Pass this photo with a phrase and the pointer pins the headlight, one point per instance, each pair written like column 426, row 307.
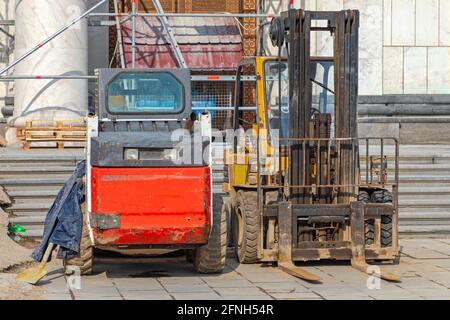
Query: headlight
column 170, row 154
column 131, row 154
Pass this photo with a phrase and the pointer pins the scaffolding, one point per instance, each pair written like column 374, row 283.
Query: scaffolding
column 220, row 104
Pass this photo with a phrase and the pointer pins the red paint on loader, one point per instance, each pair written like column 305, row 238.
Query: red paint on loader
column 156, row 205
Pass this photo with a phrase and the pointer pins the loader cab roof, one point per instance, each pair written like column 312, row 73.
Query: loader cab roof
column 144, row 94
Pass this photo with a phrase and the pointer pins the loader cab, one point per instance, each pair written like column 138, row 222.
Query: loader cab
column 148, row 173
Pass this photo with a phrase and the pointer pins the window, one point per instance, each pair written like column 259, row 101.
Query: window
column 322, row 73
column 271, row 91
column 145, row 93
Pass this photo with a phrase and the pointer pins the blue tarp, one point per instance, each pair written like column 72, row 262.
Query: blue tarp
column 64, row 221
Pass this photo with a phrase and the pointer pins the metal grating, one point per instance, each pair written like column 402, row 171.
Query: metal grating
column 217, row 98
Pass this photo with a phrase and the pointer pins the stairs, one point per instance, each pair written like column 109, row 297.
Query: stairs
column 424, row 186
column 424, row 189
column 32, row 179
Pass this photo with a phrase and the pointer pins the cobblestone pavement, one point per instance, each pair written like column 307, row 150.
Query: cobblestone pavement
column 424, row 267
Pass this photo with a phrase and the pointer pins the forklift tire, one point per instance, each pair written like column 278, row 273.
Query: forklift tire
column 384, row 196
column 246, row 226
column 84, row 260
column 369, row 227
column 210, row 258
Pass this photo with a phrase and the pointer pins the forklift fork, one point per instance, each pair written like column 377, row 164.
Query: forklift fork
column 358, row 259
column 285, row 245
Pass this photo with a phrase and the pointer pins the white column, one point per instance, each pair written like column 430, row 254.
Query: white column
column 65, row 55
column 6, row 13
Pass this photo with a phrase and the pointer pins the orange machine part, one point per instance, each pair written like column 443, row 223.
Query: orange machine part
column 156, row 206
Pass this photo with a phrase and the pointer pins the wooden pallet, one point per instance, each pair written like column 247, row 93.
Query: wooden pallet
column 57, row 132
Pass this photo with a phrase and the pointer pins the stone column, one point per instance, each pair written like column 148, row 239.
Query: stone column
column 65, row 55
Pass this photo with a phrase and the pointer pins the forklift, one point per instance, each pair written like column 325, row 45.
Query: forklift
column 296, row 188
column 148, row 187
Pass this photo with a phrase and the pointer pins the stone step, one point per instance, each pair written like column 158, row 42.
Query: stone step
column 40, row 181
column 33, row 233
column 12, row 170
column 28, row 220
column 436, row 230
column 425, row 202
column 41, row 205
column 37, row 192
column 427, row 190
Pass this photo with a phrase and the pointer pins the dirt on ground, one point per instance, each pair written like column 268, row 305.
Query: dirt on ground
column 12, row 290
column 11, row 253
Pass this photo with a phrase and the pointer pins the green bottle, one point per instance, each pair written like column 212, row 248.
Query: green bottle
column 16, row 228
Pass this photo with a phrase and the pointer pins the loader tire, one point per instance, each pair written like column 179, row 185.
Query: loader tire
column 384, row 196
column 246, row 226
column 369, row 227
column 84, row 260
column 211, row 257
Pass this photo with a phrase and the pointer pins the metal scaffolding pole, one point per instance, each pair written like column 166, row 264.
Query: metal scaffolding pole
column 119, row 35
column 46, row 77
column 172, row 39
column 189, row 15
column 50, row 38
column 212, row 78
column 133, row 34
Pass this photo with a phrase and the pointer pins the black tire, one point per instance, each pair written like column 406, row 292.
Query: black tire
column 369, row 225
column 189, row 255
column 211, row 257
column 246, row 227
column 384, row 196
column 85, row 258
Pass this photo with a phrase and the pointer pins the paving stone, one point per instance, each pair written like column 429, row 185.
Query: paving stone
column 227, row 283
column 230, row 275
column 424, row 253
column 146, row 295
column 102, row 291
column 441, row 277
column 187, row 288
column 57, row 285
column 282, row 287
column 422, row 278
column 437, row 297
column 413, row 283
column 196, row 296
column 246, row 297
column 58, row 296
column 181, row 280
column 348, row 297
column 97, row 297
column 295, row 295
column 427, row 292
column 404, row 296
column 133, row 284
column 245, row 291
column 269, row 276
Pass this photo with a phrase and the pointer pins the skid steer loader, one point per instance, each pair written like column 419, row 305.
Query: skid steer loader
column 148, row 181
column 295, row 184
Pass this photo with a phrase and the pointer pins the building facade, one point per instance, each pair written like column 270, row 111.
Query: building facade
column 404, row 64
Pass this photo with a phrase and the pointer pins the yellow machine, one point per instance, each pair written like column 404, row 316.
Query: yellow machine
column 294, row 178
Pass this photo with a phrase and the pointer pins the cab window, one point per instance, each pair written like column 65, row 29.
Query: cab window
column 145, row 93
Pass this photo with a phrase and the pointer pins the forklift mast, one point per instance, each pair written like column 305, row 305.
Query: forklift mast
column 294, row 30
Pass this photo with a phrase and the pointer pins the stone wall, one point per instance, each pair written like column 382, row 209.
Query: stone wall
column 404, row 44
